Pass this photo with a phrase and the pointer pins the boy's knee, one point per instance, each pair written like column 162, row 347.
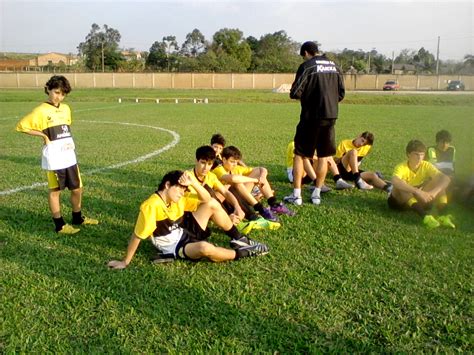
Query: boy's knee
column 204, row 249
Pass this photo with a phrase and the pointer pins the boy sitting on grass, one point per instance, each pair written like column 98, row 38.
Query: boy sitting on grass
column 442, row 155
column 51, row 121
column 245, row 178
column 177, row 225
column 349, row 155
column 235, row 206
column 417, row 185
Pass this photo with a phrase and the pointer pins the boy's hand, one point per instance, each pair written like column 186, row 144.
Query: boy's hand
column 235, row 219
column 185, row 179
column 117, row 264
column 424, row 196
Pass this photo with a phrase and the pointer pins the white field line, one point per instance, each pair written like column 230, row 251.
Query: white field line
column 175, row 141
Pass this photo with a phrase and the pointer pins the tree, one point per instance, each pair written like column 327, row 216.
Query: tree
column 424, row 60
column 101, row 48
column 232, row 50
column 194, row 44
column 275, row 53
column 163, row 55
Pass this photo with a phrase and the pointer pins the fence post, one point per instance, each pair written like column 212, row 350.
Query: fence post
column 213, row 80
column 172, row 80
column 17, row 80
column 192, row 80
column 253, row 80
column 113, row 79
column 133, row 80
column 93, row 79
column 153, row 80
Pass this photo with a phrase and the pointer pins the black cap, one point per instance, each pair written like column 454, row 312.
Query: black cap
column 310, row 47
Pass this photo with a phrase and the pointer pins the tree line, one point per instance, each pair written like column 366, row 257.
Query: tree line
column 230, row 51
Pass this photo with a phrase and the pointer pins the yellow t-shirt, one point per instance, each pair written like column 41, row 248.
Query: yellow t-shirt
column 290, row 153
column 157, row 219
column 210, row 180
column 416, row 178
column 55, row 123
column 347, row 145
column 220, row 171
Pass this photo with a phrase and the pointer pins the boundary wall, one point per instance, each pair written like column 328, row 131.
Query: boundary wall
column 224, row 80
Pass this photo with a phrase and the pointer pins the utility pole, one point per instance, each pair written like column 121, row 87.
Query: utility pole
column 393, row 61
column 368, row 64
column 437, row 58
column 102, row 46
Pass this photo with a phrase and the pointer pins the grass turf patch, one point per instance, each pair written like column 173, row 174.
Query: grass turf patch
column 349, row 275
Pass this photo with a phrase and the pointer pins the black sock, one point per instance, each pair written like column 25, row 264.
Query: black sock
column 387, row 185
column 418, row 208
column 356, row 176
column 59, row 223
column 77, row 218
column 258, row 207
column 233, row 233
column 272, row 201
column 336, row 177
column 241, row 253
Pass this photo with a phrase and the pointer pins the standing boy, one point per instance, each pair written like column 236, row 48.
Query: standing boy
column 319, row 86
column 52, row 122
column 417, row 185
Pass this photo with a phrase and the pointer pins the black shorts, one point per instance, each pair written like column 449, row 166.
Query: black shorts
column 69, row 177
column 192, row 233
column 395, row 205
column 314, row 136
column 346, row 175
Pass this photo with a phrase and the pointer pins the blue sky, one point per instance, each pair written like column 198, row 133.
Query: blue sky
column 59, row 26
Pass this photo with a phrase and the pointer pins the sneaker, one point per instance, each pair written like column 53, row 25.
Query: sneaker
column 253, row 250
column 282, row 209
column 430, row 222
column 362, row 185
column 89, row 221
column 68, row 229
column 298, row 201
column 262, row 223
column 316, row 200
column 268, row 214
column 242, row 242
column 446, row 221
column 342, row 185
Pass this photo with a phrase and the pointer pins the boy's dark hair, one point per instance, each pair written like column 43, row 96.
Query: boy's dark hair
column 58, row 82
column 369, row 137
column 205, row 153
column 172, row 177
column 443, row 136
column 218, row 139
column 310, row 47
column 415, row 146
column 231, row 152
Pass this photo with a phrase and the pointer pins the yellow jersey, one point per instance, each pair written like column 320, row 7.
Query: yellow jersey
column 416, row 178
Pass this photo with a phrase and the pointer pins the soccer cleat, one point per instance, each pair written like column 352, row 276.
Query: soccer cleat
column 68, row 229
column 89, row 221
column 163, row 258
column 388, row 188
column 242, row 242
column 262, row 223
column 446, row 221
column 430, row 222
column 282, row 209
column 298, row 201
column 362, row 185
column 246, row 227
column 268, row 214
column 253, row 250
column 342, row 185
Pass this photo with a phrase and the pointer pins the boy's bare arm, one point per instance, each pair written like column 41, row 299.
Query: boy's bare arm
column 38, row 134
column 131, row 250
column 237, row 179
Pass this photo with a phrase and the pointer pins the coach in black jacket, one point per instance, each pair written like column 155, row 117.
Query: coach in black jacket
column 319, row 86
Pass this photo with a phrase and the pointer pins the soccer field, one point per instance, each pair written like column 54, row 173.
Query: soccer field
column 348, row 275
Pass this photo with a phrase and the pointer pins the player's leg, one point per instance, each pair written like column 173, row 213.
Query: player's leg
column 373, row 179
column 74, row 183
column 441, row 201
column 200, row 250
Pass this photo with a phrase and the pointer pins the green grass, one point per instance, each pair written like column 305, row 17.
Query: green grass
column 347, row 276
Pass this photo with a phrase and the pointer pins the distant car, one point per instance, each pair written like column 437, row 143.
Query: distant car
column 455, row 85
column 391, row 85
